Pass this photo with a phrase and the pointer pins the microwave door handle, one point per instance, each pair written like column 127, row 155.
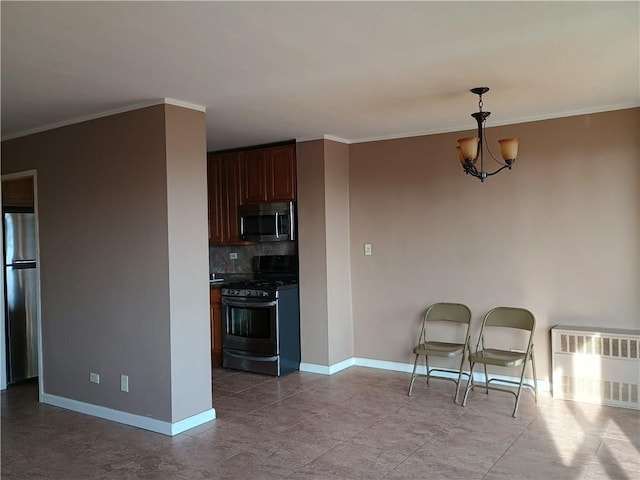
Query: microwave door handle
column 249, row 304
column 277, row 229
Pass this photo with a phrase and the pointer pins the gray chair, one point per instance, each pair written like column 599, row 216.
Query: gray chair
column 510, row 357
column 451, row 315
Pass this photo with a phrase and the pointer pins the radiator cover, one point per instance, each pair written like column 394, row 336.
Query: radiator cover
column 596, row 365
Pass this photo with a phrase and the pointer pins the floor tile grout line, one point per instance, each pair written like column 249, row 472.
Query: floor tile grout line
column 351, row 437
column 538, row 426
column 425, row 443
column 512, row 443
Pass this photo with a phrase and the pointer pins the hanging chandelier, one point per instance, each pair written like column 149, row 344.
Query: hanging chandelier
column 471, row 149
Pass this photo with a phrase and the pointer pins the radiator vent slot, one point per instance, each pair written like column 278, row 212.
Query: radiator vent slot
column 599, row 345
column 596, row 365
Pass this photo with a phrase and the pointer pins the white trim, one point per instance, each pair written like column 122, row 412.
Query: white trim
column 384, row 365
column 327, row 370
column 139, row 421
column 315, row 368
column 192, row 421
column 3, row 345
column 180, row 103
column 106, row 113
column 513, row 121
column 16, row 175
column 333, row 138
column 543, row 385
column 308, row 139
column 462, row 128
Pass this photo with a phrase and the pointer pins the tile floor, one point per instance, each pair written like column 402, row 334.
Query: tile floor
column 357, row 424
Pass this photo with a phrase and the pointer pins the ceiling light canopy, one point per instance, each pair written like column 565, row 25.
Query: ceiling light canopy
column 470, row 149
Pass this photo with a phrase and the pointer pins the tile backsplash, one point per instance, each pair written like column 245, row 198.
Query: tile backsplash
column 220, row 261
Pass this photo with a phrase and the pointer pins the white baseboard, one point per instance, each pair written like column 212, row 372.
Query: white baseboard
column 139, row 421
column 543, row 385
column 327, row 370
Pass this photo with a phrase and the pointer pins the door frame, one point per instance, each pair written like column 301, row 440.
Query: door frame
column 3, row 341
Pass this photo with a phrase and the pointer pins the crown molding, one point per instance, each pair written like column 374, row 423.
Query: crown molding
column 513, row 121
column 333, row 138
column 180, row 103
column 106, row 113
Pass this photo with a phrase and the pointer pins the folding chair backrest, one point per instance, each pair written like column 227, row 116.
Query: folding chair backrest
column 453, row 312
column 510, row 317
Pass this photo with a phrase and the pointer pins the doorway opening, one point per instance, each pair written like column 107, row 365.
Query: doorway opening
column 20, row 332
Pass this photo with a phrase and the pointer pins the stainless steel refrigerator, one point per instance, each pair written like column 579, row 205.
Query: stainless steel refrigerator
column 21, row 307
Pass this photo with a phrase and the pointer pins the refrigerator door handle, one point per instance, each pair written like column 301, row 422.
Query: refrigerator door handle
column 22, row 264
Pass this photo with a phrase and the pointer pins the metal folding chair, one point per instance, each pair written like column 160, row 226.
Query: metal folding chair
column 501, row 318
column 455, row 316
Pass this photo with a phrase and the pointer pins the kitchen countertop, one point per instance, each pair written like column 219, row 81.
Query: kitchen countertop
column 222, row 278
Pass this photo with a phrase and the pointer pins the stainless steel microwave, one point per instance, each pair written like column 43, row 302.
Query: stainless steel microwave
column 267, row 222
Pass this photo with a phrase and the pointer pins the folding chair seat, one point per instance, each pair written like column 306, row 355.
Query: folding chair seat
column 450, row 320
column 511, row 356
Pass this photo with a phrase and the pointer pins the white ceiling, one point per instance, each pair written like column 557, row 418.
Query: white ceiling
column 271, row 71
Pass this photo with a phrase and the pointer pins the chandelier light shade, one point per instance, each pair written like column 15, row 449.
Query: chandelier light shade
column 471, row 149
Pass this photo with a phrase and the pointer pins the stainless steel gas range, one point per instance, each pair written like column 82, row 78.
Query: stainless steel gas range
column 261, row 319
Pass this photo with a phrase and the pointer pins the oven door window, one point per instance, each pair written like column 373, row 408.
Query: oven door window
column 250, row 327
column 250, row 322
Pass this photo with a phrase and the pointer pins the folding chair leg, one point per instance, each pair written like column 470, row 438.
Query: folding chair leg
column 535, row 377
column 515, row 408
column 486, row 379
column 455, row 395
column 413, row 375
column 469, row 385
column 426, row 362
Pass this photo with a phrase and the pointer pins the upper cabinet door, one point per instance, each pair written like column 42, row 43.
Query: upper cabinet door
column 223, row 172
column 232, row 199
column 281, row 174
column 215, row 188
column 17, row 193
column 253, row 173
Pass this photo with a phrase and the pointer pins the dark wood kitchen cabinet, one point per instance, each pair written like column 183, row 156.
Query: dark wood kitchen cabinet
column 253, row 174
column 268, row 175
column 18, row 192
column 215, row 181
column 223, row 172
column 216, row 325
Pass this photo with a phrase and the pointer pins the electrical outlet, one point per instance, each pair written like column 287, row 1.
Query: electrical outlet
column 367, row 249
column 94, row 377
column 233, row 256
column 124, row 383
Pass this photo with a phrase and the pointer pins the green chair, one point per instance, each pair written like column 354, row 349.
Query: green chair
column 498, row 319
column 443, row 319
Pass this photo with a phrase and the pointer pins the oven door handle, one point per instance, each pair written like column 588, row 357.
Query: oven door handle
column 255, row 358
column 250, row 304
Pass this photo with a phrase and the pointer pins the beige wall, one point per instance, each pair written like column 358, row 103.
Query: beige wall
column 557, row 235
column 340, row 320
column 312, row 253
column 108, row 193
column 323, row 234
column 188, row 261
